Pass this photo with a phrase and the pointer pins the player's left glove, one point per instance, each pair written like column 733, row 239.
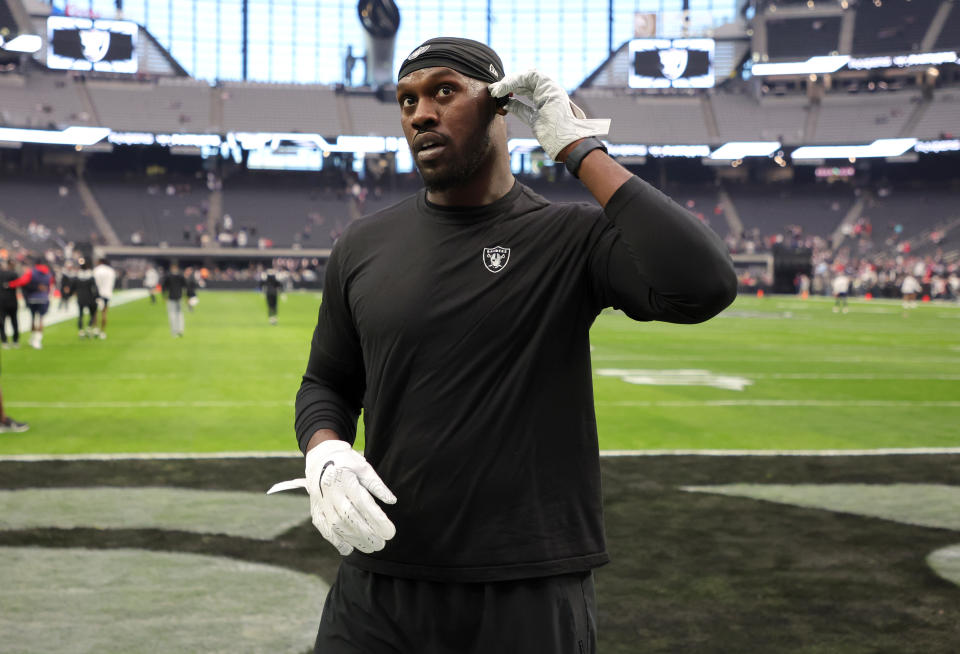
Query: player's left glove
column 342, row 486
column 555, row 120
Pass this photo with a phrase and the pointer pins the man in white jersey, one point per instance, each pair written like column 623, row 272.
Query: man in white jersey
column 841, row 288
column 105, row 277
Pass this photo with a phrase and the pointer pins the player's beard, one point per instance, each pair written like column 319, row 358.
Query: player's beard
column 461, row 166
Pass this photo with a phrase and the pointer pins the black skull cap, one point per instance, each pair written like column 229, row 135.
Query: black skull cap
column 472, row 58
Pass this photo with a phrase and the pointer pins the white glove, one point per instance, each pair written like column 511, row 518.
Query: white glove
column 554, row 119
column 342, row 486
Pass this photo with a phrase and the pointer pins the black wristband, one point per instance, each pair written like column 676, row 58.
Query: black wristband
column 585, row 147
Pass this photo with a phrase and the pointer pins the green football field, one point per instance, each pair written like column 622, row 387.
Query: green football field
column 769, row 373
column 851, row 553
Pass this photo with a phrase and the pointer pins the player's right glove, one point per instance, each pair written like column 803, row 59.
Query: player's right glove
column 555, row 120
column 342, row 486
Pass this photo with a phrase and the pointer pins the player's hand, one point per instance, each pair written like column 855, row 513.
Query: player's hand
column 342, row 486
column 554, row 119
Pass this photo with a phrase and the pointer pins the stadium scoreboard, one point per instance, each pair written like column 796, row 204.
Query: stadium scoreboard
column 92, row 44
column 671, row 63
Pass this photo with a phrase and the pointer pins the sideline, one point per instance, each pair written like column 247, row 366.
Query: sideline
column 150, row 456
column 57, row 315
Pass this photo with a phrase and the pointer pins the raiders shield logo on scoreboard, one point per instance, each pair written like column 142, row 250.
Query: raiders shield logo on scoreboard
column 495, row 259
column 95, row 44
column 673, row 63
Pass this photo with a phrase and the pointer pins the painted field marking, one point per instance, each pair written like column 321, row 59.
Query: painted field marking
column 682, row 377
column 295, row 454
column 882, row 404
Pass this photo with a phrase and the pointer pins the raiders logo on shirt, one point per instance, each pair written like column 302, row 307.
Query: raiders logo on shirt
column 495, row 259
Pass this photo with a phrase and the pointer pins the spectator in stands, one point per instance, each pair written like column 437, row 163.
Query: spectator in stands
column 85, row 288
column 37, row 283
column 106, row 278
column 173, row 286
column 8, row 305
column 458, row 320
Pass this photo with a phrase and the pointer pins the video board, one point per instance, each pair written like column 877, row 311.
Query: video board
column 92, row 44
column 671, row 63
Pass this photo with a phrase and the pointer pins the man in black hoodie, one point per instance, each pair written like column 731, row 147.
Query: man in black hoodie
column 173, row 287
column 8, row 305
column 458, row 321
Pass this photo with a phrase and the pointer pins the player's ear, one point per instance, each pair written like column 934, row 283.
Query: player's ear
column 502, row 104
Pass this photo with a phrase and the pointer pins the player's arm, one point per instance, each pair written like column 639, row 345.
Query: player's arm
column 665, row 265
column 22, row 280
column 341, row 483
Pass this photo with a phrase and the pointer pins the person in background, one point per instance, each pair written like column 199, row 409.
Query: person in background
column 106, row 278
column 151, row 279
column 85, row 288
column 8, row 424
column 66, row 285
column 271, row 289
column 36, row 282
column 174, row 285
column 909, row 288
column 841, row 289
column 8, row 306
column 190, row 275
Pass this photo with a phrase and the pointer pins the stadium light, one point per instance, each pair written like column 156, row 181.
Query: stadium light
column 814, row 65
column 69, row 136
column 28, row 43
column 741, row 149
column 879, row 148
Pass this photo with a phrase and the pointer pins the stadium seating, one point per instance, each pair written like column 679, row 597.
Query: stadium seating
column 891, row 27
column 46, row 101
column 646, row 119
column 918, row 209
column 949, row 37
column 288, row 211
column 882, row 116
column 51, row 204
column 941, row 118
column 252, row 107
column 169, row 105
column 743, row 118
column 160, row 210
column 795, row 39
column 369, row 116
column 771, row 209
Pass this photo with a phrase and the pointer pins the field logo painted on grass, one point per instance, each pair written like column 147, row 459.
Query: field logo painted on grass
column 683, row 377
column 924, row 505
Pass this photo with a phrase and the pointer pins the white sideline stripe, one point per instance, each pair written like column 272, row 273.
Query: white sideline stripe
column 149, row 404
column 56, row 315
column 886, row 404
column 294, row 454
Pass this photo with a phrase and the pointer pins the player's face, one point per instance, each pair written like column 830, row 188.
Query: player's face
column 446, row 118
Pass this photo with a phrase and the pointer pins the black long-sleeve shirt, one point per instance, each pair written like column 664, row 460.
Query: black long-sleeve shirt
column 463, row 334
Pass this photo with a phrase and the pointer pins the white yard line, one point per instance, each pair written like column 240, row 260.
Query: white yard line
column 886, row 404
column 293, row 453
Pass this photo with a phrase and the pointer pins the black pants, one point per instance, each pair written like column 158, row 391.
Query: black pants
column 368, row 613
column 91, row 312
column 11, row 313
